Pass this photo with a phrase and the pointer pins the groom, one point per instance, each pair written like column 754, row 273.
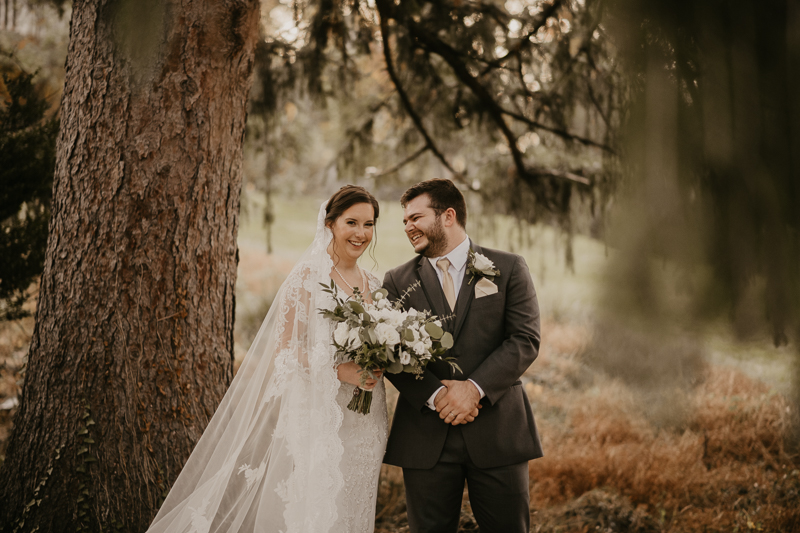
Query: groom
column 475, row 426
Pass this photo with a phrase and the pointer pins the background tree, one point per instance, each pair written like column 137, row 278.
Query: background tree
column 27, row 159
column 132, row 348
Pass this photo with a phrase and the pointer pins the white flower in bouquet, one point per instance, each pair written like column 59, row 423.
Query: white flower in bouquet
column 354, row 338
column 419, row 348
column 387, row 334
column 396, row 317
column 383, row 304
column 405, row 357
column 412, row 312
column 341, row 334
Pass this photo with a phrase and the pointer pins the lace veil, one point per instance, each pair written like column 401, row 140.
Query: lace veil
column 269, row 459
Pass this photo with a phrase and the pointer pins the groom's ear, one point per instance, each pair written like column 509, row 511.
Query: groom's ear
column 450, row 218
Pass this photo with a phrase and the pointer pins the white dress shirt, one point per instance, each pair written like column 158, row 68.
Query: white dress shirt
column 458, row 267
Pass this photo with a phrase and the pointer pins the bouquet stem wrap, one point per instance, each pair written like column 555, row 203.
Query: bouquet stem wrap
column 361, row 401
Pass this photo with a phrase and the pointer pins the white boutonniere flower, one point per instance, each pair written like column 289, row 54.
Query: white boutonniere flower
column 481, row 266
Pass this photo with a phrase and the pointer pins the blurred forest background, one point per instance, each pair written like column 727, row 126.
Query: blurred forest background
column 642, row 155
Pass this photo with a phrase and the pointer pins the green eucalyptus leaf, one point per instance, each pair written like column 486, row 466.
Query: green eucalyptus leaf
column 446, row 340
column 356, row 307
column 395, row 368
column 433, row 330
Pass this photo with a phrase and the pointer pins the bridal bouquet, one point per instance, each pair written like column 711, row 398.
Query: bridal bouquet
column 382, row 336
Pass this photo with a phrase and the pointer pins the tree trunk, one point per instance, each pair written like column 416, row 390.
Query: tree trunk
column 133, row 344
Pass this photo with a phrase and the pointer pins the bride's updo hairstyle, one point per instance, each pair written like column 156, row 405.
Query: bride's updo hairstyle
column 344, row 199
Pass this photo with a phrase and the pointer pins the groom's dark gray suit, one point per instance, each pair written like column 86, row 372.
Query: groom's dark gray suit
column 496, row 338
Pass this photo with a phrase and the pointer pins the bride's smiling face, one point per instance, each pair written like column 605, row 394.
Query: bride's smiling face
column 352, row 231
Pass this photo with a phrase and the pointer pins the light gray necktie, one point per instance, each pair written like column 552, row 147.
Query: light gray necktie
column 447, row 282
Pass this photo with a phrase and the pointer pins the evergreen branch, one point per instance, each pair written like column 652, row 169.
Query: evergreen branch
column 525, row 41
column 435, row 45
column 404, row 162
column 560, row 174
column 384, row 12
column 561, row 133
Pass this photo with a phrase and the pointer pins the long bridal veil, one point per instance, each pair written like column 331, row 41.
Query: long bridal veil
column 269, row 458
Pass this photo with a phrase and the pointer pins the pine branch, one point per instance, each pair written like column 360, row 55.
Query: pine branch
column 435, row 45
column 561, row 133
column 385, row 9
column 387, row 54
column 404, row 162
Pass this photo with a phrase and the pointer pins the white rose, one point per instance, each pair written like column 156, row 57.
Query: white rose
column 383, row 304
column 354, row 338
column 482, row 263
column 341, row 333
column 405, row 358
column 378, row 296
column 428, row 343
column 394, row 316
column 419, row 348
column 387, row 334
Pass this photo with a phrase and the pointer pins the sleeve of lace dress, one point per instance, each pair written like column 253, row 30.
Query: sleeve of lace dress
column 293, row 318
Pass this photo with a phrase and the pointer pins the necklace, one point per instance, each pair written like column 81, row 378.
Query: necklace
column 361, row 272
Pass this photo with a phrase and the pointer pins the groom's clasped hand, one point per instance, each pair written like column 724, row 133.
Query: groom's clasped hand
column 458, row 402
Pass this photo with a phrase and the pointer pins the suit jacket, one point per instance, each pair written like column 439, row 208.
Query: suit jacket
column 496, row 338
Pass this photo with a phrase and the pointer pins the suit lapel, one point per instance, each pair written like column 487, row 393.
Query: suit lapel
column 465, row 296
column 432, row 288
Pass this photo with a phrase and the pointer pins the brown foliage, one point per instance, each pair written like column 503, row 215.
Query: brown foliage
column 728, row 468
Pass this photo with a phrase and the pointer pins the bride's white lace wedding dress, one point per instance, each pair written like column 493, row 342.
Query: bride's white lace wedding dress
column 364, row 441
column 282, row 453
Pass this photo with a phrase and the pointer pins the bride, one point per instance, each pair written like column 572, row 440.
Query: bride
column 282, row 453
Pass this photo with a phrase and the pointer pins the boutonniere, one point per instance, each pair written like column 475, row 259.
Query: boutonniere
column 481, row 266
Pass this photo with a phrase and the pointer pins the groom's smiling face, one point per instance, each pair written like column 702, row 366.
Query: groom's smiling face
column 424, row 229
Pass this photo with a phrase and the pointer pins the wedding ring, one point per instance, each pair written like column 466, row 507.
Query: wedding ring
column 451, row 413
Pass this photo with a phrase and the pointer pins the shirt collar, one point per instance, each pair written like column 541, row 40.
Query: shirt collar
column 457, row 256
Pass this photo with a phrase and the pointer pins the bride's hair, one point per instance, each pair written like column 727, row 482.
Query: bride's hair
column 344, row 199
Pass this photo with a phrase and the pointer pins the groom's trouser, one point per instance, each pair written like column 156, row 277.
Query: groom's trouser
column 499, row 497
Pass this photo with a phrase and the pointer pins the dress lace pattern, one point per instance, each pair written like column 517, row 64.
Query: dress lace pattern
column 364, row 440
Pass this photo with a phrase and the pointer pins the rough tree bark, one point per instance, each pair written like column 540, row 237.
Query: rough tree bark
column 133, row 344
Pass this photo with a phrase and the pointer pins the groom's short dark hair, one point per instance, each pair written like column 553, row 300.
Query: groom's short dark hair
column 443, row 194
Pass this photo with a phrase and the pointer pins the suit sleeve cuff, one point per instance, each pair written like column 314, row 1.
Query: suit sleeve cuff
column 431, row 403
column 480, row 390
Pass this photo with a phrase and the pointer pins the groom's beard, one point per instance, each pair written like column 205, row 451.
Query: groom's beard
column 437, row 240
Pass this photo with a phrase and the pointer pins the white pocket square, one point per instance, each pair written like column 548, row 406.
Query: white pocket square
column 484, row 287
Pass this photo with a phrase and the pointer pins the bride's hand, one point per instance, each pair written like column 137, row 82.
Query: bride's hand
column 351, row 373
